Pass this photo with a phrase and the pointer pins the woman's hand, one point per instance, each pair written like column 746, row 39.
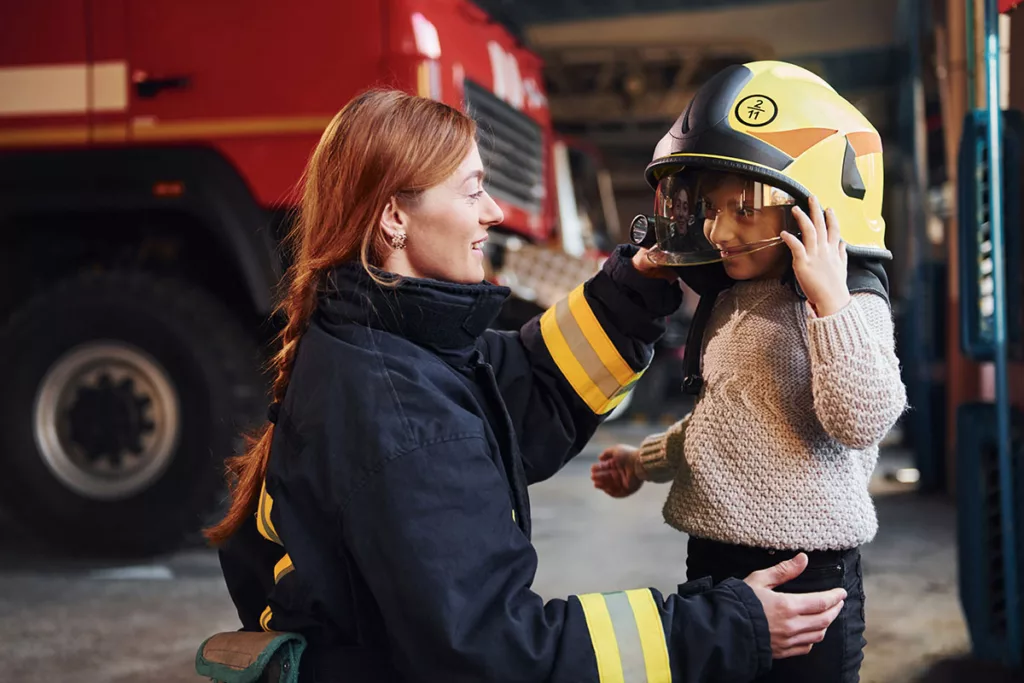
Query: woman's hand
column 795, row 621
column 615, row 473
column 820, row 260
column 645, row 267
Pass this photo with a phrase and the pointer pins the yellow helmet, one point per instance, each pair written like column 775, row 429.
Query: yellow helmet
column 784, row 126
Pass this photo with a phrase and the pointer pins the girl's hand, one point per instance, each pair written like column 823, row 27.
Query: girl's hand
column 615, row 472
column 820, row 260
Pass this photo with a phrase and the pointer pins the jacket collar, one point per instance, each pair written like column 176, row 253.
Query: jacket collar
column 442, row 316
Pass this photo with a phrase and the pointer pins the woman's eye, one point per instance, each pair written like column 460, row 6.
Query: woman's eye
column 477, row 195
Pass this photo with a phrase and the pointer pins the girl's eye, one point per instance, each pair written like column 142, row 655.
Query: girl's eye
column 477, row 195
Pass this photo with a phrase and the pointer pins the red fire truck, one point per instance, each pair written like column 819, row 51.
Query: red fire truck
column 148, row 156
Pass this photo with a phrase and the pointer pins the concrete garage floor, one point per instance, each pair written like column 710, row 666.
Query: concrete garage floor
column 63, row 619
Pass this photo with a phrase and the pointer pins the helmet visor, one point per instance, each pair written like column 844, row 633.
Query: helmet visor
column 687, row 204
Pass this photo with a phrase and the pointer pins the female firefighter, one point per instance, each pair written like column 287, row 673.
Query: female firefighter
column 383, row 512
column 800, row 376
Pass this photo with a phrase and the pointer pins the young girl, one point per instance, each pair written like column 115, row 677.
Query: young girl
column 800, row 384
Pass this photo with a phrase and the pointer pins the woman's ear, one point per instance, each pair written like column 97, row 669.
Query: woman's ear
column 394, row 221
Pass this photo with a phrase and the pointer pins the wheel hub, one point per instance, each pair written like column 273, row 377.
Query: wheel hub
column 110, row 419
column 107, row 420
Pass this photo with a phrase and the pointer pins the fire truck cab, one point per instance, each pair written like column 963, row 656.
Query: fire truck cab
column 149, row 152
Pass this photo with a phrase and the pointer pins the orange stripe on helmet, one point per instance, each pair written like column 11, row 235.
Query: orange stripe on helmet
column 794, row 142
column 865, row 142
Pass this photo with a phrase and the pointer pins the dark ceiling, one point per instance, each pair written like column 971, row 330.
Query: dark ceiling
column 528, row 12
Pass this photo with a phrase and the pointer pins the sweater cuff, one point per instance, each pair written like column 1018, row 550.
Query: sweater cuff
column 658, row 454
column 844, row 333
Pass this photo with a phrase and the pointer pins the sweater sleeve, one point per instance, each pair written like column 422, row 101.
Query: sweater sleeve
column 858, row 392
column 662, row 454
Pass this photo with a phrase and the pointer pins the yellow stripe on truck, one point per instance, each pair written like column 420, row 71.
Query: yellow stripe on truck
column 585, row 355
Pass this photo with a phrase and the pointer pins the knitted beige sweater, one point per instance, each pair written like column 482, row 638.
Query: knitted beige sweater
column 779, row 450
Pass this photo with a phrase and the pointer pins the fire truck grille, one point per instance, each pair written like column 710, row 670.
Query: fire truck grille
column 511, row 146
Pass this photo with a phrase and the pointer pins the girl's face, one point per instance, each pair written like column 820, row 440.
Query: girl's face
column 728, row 225
column 445, row 227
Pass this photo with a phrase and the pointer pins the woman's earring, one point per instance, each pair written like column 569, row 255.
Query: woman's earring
column 398, row 241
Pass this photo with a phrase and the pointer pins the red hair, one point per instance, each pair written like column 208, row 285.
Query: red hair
column 384, row 144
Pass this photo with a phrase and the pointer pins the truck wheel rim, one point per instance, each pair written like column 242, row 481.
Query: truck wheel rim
column 106, row 420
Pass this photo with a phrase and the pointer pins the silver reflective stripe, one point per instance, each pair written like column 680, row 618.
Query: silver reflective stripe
column 583, row 351
column 634, row 670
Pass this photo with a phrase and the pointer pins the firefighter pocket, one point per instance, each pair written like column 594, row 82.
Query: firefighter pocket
column 251, row 657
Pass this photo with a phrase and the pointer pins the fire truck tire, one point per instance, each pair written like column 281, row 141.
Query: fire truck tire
column 124, row 393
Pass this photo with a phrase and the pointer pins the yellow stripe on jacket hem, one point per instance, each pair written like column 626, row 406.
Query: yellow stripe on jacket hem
column 263, row 523
column 265, row 618
column 283, row 567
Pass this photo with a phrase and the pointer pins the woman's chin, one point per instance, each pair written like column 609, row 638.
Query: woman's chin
column 472, row 274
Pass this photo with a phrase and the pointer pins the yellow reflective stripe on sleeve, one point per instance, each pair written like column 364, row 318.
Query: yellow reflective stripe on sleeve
column 652, row 635
column 602, row 637
column 610, row 357
column 567, row 363
column 283, row 567
column 622, row 393
column 263, row 523
column 265, row 618
column 628, row 637
column 584, row 353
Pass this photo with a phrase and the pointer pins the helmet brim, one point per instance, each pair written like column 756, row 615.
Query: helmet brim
column 674, row 163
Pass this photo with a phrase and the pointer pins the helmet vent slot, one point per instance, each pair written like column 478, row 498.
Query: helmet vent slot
column 853, row 184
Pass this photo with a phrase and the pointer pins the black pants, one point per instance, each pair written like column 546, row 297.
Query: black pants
column 836, row 659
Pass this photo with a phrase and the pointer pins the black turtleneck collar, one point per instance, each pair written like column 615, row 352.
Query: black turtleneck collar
column 442, row 316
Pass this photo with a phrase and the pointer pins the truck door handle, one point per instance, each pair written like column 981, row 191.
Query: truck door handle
column 151, row 87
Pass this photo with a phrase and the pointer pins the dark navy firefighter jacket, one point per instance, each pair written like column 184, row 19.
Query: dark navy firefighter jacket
column 394, row 526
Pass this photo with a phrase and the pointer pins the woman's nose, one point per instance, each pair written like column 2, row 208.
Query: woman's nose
column 492, row 213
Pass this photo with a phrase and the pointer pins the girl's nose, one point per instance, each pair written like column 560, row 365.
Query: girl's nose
column 722, row 230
